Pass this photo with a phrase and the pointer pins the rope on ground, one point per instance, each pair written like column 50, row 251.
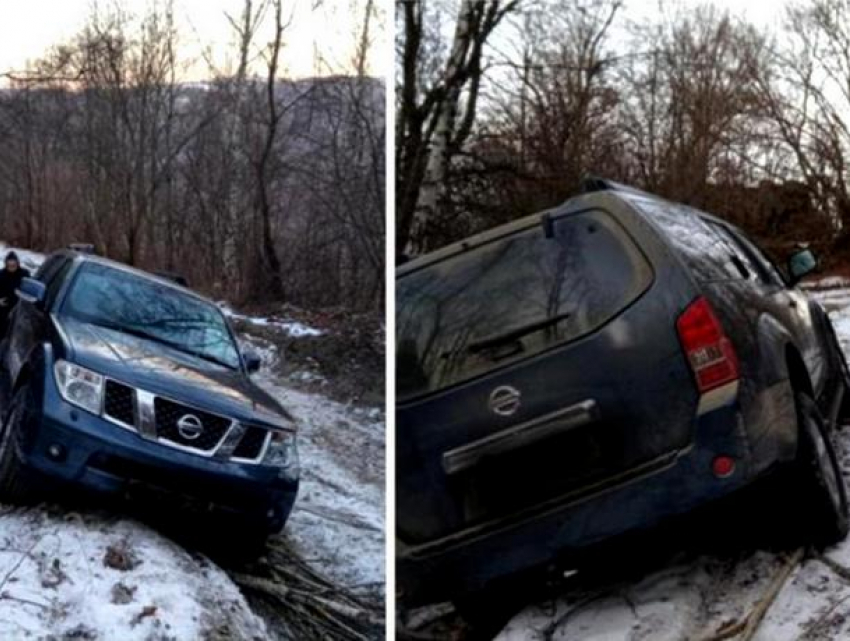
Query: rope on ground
column 748, row 626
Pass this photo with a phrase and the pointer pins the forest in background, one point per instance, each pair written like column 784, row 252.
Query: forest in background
column 253, row 186
column 504, row 106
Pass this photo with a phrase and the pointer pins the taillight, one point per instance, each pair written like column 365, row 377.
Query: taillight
column 710, row 352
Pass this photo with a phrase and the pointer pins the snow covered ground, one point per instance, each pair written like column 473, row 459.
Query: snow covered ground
column 56, row 574
column 708, row 596
column 338, row 521
column 76, row 576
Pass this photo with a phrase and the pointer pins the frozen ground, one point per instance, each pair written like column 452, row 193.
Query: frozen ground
column 338, row 520
column 56, row 581
column 710, row 596
column 73, row 576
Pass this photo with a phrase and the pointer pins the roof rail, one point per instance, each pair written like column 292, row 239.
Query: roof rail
column 83, row 248
column 173, row 277
column 591, row 183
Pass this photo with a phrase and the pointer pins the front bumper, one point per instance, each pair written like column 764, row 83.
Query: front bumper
column 100, row 456
column 468, row 561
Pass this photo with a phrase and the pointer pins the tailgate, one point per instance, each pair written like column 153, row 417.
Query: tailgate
column 534, row 374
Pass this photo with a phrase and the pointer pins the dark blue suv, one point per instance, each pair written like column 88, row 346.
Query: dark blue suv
column 123, row 382
column 588, row 371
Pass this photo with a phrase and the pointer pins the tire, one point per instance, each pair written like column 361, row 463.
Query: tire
column 818, row 482
column 485, row 614
column 233, row 542
column 840, row 370
column 16, row 484
column 489, row 609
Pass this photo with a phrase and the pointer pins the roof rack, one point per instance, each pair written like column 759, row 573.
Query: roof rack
column 591, row 183
column 175, row 278
column 83, row 248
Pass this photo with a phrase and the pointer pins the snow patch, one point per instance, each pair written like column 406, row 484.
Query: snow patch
column 57, row 582
column 292, row 328
column 830, row 282
column 29, row 259
column 337, row 523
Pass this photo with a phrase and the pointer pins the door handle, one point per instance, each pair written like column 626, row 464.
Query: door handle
column 793, row 303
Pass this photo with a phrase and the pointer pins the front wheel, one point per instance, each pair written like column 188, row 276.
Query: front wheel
column 840, row 370
column 819, row 484
column 16, row 484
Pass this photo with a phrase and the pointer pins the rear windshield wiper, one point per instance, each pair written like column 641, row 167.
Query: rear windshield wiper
column 135, row 331
column 515, row 333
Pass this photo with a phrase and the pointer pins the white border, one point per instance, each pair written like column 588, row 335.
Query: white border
column 389, row 423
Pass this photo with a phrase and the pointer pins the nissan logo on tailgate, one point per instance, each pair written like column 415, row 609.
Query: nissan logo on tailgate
column 504, row 400
column 190, row 427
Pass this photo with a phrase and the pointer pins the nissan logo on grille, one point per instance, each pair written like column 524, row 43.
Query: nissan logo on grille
column 190, row 427
column 504, row 400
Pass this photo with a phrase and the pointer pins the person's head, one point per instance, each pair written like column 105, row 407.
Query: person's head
column 12, row 263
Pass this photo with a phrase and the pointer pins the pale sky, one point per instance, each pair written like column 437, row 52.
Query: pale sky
column 760, row 12
column 28, row 27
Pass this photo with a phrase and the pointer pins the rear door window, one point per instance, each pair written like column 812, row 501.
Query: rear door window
column 741, row 258
column 768, row 271
column 513, row 298
column 706, row 253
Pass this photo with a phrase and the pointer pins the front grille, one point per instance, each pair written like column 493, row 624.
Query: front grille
column 251, row 444
column 169, row 413
column 119, row 402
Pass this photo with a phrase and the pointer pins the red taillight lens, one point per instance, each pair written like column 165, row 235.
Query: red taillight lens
column 723, row 466
column 709, row 350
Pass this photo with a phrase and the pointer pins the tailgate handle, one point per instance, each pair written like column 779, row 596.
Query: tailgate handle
column 518, row 436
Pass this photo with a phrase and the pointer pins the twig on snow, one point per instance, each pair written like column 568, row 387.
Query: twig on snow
column 18, row 563
column 748, row 626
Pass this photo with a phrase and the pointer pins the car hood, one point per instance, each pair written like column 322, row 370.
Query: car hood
column 166, row 371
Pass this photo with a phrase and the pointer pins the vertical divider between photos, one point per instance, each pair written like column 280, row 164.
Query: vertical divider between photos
column 389, row 423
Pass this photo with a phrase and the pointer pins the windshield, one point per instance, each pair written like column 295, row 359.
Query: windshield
column 124, row 302
column 512, row 298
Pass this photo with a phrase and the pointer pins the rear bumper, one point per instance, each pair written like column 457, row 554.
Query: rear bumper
column 100, row 456
column 469, row 560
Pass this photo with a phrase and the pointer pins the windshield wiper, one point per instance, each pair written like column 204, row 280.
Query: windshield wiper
column 513, row 334
column 133, row 331
column 136, row 331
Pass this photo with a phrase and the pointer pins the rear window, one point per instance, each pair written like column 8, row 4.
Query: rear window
column 513, row 298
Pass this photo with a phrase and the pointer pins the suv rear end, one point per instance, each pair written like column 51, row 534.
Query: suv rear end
column 561, row 380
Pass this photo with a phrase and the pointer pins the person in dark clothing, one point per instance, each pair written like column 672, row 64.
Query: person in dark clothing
column 10, row 278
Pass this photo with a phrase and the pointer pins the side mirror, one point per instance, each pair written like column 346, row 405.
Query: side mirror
column 252, row 361
column 32, row 291
column 801, row 263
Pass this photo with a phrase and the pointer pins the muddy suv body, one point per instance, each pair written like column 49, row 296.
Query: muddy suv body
column 588, row 371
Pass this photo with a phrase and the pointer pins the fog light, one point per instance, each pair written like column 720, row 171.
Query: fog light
column 56, row 452
column 723, row 466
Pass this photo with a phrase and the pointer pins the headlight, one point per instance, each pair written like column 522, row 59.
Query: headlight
column 79, row 386
column 283, row 454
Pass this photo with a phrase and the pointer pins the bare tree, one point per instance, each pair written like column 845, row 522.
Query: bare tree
column 251, row 184
column 435, row 117
column 690, row 107
column 807, row 94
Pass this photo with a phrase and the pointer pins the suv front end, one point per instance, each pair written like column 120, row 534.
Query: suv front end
column 111, row 409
